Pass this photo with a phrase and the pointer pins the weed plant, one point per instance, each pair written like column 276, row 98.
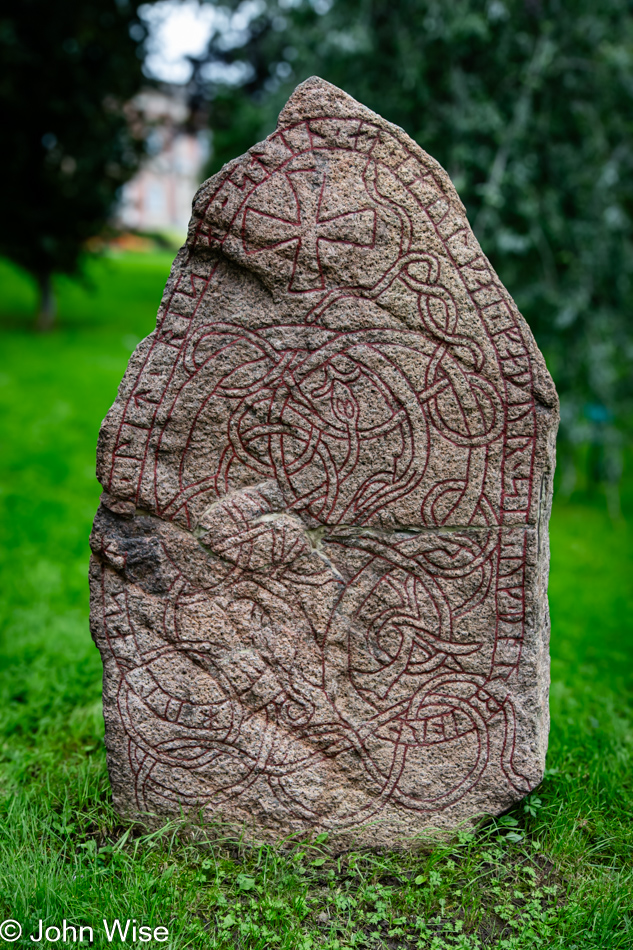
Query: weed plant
column 555, row 872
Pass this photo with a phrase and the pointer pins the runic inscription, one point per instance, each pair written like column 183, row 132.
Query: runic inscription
column 320, row 563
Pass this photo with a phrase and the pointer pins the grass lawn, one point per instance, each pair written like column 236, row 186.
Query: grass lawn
column 556, row 872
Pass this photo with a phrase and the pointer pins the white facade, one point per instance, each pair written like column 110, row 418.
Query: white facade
column 159, row 197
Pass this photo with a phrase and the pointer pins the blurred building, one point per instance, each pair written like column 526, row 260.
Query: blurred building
column 159, row 197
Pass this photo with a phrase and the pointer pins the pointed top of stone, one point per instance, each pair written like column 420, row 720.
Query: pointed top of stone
column 316, row 97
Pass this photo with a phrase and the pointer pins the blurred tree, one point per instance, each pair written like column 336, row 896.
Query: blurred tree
column 68, row 70
column 528, row 104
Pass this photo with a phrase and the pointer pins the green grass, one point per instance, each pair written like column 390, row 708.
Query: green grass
column 556, row 872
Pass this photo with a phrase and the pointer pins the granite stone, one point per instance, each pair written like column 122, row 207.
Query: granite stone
column 319, row 571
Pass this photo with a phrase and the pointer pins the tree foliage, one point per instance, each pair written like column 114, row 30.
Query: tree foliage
column 528, row 104
column 68, row 69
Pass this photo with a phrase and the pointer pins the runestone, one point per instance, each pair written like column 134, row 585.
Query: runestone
column 319, row 572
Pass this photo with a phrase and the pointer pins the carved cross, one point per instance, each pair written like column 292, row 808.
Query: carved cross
column 307, row 226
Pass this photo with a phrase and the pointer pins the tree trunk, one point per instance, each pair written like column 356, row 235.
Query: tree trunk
column 48, row 304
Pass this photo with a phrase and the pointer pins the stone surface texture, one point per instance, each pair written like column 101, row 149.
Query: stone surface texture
column 319, row 573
